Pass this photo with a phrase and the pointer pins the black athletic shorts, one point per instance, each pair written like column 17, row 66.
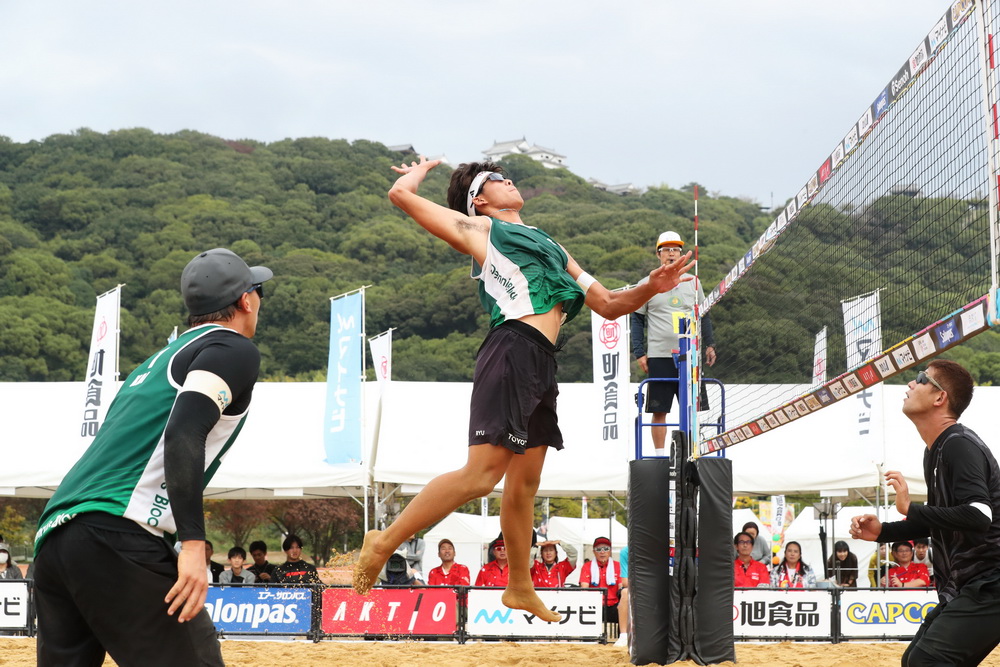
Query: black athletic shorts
column 660, row 395
column 514, row 390
column 962, row 631
column 100, row 581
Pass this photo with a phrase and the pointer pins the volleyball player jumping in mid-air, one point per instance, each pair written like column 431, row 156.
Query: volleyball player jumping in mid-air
column 529, row 285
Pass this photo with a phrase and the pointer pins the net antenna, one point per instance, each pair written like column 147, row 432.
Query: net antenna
column 905, row 207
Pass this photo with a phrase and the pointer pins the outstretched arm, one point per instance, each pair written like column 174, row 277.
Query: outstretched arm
column 464, row 234
column 613, row 305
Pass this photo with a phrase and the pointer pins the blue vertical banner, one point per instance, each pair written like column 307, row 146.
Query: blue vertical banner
column 343, row 421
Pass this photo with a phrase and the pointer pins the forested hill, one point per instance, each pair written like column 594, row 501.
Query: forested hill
column 81, row 213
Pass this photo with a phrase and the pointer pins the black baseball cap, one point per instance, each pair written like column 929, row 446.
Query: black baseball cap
column 216, row 278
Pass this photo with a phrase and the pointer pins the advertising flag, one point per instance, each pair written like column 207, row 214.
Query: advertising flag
column 819, row 358
column 343, row 421
column 611, row 376
column 381, row 347
column 863, row 337
column 102, row 364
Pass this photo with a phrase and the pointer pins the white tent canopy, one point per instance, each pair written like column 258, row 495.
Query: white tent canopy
column 423, row 432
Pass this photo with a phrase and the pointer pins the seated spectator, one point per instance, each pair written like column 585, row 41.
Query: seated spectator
column 792, row 572
column 237, row 574
column 906, row 574
column 761, row 549
column 448, row 573
column 879, row 565
column 922, row 555
column 295, row 570
column 212, row 569
column 550, row 572
column 414, row 552
column 397, row 571
column 842, row 566
column 747, row 572
column 263, row 571
column 495, row 572
column 8, row 568
column 603, row 572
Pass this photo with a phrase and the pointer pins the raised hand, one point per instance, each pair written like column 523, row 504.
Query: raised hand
column 424, row 165
column 668, row 276
column 898, row 484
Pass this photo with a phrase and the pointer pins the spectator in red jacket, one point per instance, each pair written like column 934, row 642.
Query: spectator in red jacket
column 495, row 572
column 747, row 572
column 550, row 572
column 603, row 572
column 907, row 574
column 449, row 573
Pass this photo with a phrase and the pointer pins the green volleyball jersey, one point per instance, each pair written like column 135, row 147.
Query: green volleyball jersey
column 122, row 472
column 524, row 274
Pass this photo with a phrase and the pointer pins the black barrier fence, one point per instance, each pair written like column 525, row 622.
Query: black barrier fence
column 464, row 613
column 320, row 612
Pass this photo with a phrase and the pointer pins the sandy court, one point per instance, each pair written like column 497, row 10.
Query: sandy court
column 20, row 652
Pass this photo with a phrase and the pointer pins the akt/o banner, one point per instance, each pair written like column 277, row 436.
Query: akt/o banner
column 390, row 611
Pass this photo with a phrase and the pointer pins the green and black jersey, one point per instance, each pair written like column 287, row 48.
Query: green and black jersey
column 122, row 472
column 524, row 274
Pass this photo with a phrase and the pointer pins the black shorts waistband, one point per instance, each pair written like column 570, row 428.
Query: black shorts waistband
column 111, row 522
column 526, row 331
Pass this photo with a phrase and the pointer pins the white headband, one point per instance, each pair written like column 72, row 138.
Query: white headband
column 477, row 183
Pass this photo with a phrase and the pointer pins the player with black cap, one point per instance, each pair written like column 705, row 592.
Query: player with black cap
column 139, row 486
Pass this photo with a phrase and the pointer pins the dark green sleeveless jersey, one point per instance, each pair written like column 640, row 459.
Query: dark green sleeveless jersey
column 122, row 473
column 524, row 274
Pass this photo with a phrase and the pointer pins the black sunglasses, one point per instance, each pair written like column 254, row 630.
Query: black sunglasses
column 494, row 176
column 924, row 378
column 259, row 288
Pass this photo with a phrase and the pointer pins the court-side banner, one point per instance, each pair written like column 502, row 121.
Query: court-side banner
column 253, row 609
column 611, row 377
column 344, row 410
column 759, row 612
column 13, row 605
column 581, row 609
column 390, row 611
column 895, row 612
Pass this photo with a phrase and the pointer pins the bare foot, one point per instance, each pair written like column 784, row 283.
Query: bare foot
column 527, row 600
column 369, row 563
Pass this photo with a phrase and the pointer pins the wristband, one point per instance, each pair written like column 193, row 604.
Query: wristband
column 585, row 280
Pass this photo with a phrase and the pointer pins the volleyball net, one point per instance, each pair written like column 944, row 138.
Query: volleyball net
column 887, row 253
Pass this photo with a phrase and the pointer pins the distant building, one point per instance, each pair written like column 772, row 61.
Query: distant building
column 621, row 189
column 907, row 190
column 405, row 149
column 548, row 157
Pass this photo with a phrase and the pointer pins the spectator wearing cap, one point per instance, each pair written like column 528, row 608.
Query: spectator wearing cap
column 603, row 572
column 8, row 568
column 495, row 572
column 654, row 340
column 549, row 571
column 141, row 480
column 448, row 573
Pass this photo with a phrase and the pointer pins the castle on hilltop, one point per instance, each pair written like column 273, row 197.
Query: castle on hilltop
column 548, row 157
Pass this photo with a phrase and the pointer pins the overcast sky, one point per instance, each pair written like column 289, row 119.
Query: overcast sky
column 747, row 98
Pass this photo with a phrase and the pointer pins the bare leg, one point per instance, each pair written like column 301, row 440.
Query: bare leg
column 517, row 513
column 483, row 470
column 659, row 432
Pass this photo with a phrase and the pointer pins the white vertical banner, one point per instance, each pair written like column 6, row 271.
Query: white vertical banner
column 102, row 364
column 381, row 347
column 612, row 377
column 778, row 510
column 863, row 337
column 819, row 358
